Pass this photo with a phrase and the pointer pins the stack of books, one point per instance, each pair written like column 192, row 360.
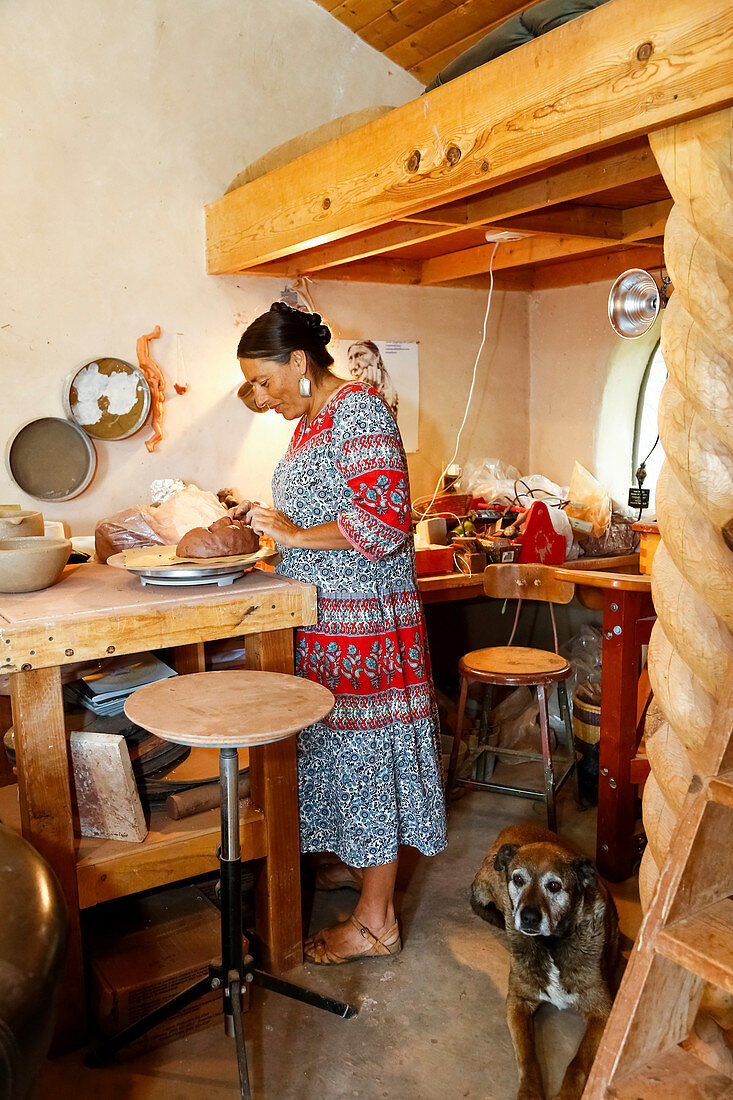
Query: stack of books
column 104, row 693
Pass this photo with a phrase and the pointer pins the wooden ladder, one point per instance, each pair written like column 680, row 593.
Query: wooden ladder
column 685, row 941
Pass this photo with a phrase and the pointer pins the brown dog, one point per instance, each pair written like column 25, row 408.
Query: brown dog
column 563, row 936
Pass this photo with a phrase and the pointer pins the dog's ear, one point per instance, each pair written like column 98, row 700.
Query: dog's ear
column 585, row 872
column 504, row 856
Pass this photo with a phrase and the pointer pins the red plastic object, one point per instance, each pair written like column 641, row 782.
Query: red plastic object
column 540, row 541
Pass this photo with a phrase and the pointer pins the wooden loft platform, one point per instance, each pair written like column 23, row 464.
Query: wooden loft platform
column 549, row 139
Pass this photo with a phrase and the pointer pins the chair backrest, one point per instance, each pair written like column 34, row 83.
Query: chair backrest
column 526, row 582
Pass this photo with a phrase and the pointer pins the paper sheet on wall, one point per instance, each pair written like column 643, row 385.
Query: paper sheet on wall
column 391, row 366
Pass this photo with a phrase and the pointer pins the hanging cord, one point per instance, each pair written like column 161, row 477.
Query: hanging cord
column 473, row 383
column 516, row 620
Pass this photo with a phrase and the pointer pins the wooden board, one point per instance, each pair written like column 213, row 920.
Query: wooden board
column 94, row 609
column 104, row 792
column 149, row 557
column 172, row 851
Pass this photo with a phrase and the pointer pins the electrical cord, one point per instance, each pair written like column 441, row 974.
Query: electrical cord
column 473, row 383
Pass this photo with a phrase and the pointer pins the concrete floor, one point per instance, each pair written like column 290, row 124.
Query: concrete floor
column 431, row 1020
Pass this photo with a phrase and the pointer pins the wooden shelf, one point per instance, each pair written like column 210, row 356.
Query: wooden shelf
column 703, row 943
column 172, row 851
column 721, row 789
column 672, row 1074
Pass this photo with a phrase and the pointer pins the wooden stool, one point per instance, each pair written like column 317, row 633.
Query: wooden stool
column 228, row 711
column 513, row 666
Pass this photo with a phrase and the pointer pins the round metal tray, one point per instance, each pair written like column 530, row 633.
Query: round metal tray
column 107, row 397
column 51, row 459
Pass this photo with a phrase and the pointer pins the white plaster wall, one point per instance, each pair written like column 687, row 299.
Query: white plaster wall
column 584, row 383
column 120, row 120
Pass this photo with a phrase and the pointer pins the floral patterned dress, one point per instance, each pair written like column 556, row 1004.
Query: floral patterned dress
column 369, row 773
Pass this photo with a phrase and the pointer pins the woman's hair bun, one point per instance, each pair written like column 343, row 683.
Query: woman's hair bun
column 312, row 321
column 320, row 331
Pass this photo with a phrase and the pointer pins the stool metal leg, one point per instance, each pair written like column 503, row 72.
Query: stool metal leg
column 230, row 862
column 547, row 758
column 562, row 698
column 235, row 970
column 457, row 737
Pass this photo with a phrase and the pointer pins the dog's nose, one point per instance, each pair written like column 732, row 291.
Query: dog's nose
column 530, row 919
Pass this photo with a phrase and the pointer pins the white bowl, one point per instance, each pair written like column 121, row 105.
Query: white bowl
column 29, row 564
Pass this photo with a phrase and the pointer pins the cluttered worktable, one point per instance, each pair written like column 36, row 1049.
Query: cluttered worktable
column 624, row 595
column 96, row 611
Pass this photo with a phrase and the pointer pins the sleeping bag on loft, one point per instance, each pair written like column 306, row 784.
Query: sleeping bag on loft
column 526, row 26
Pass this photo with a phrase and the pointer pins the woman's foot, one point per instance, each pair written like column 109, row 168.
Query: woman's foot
column 350, row 940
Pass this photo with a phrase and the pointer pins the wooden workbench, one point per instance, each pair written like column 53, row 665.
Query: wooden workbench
column 94, row 612
column 613, row 585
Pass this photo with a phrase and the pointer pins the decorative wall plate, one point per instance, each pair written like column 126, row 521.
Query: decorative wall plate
column 51, row 459
column 108, row 398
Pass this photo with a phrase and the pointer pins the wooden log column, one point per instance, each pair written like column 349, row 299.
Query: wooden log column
column 691, row 648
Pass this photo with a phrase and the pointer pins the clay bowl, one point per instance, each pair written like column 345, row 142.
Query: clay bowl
column 14, row 524
column 31, row 563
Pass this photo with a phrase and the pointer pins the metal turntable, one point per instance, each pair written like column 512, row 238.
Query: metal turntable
column 159, row 565
column 190, row 574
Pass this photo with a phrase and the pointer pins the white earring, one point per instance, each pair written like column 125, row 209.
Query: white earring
column 304, row 386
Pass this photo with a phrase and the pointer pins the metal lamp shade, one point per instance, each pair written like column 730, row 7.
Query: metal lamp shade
column 633, row 303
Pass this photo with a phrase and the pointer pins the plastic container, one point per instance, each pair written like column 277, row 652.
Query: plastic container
column 649, row 541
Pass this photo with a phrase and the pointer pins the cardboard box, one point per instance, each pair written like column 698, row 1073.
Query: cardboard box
column 143, row 951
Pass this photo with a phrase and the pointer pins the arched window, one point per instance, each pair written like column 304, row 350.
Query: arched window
column 647, row 446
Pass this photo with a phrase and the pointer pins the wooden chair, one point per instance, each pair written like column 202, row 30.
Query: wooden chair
column 512, row 666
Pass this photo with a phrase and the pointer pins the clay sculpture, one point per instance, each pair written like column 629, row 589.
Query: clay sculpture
column 226, row 537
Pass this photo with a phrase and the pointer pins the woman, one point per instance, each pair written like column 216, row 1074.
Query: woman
column 369, row 775
column 366, row 365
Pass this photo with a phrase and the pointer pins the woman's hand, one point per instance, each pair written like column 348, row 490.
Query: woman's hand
column 241, row 510
column 272, row 522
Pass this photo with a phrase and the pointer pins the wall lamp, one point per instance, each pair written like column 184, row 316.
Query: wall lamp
column 635, row 301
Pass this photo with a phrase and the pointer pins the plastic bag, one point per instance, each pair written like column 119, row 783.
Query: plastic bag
column 515, row 723
column 583, row 653
column 491, row 479
column 156, row 524
column 620, row 538
column 589, row 500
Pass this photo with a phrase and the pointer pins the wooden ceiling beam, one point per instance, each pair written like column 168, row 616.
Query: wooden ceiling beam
column 404, row 18
column 570, row 221
column 472, row 19
column 366, row 271
column 587, row 175
column 584, row 89
column 353, row 249
column 643, row 222
column 592, row 269
column 357, row 16
column 476, row 261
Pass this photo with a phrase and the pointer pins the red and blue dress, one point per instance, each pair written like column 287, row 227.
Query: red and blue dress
column 369, row 773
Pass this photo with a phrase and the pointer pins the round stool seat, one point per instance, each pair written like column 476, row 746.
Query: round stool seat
column 513, row 665
column 234, row 709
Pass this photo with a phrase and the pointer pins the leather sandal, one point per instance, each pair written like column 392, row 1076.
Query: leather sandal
column 337, row 876
column 390, row 945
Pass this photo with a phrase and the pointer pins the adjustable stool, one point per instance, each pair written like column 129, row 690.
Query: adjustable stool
column 512, row 666
column 227, row 710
